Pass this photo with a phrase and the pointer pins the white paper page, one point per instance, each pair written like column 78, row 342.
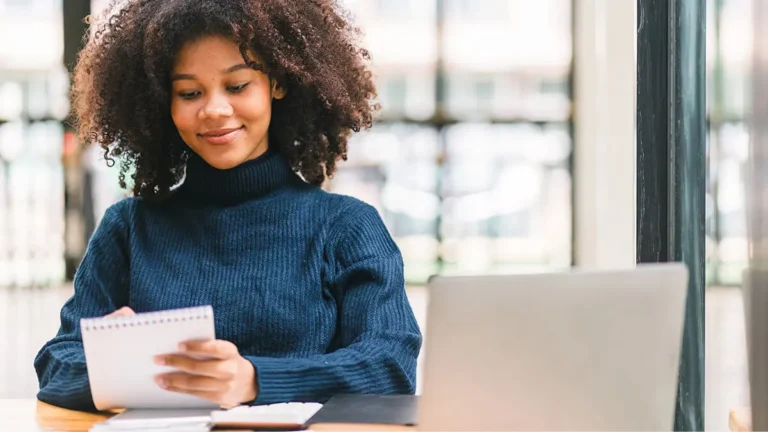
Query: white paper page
column 120, row 357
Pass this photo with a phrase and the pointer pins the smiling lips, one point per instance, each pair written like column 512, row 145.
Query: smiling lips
column 221, row 136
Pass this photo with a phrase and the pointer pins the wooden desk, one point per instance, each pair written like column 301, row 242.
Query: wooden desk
column 32, row 415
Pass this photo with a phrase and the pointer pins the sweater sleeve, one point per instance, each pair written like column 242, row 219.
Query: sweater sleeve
column 379, row 338
column 101, row 287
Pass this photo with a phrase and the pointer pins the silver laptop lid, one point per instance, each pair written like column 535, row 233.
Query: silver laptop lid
column 567, row 351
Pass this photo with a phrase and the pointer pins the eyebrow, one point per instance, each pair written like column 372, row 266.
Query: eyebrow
column 229, row 70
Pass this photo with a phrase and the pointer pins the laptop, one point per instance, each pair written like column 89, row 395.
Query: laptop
column 579, row 350
column 754, row 283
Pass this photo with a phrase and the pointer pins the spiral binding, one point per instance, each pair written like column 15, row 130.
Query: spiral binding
column 147, row 318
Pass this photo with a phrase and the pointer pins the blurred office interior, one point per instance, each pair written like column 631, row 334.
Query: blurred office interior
column 471, row 163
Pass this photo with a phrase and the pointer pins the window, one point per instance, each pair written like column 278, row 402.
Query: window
column 486, row 10
column 728, row 77
column 30, row 7
column 473, row 177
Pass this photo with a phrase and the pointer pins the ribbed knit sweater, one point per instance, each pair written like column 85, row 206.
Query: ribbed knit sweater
column 307, row 284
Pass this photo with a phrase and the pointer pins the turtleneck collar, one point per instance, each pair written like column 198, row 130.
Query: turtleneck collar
column 252, row 179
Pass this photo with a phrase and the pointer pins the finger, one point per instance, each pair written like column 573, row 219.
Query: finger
column 219, row 349
column 187, row 382
column 225, row 370
column 212, row 396
column 123, row 311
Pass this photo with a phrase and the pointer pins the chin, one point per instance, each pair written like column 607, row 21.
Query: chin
column 222, row 161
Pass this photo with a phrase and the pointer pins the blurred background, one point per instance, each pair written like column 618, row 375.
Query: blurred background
column 470, row 163
column 460, row 127
column 470, row 112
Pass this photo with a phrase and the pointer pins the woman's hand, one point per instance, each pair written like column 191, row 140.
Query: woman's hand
column 123, row 311
column 224, row 377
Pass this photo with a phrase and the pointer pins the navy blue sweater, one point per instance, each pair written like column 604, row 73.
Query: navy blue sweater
column 308, row 284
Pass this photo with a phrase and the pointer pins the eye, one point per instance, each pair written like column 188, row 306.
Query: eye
column 237, row 89
column 189, row 95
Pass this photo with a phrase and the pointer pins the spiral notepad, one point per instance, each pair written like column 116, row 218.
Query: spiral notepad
column 120, row 351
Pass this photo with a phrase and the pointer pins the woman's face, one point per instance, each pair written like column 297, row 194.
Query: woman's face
column 220, row 106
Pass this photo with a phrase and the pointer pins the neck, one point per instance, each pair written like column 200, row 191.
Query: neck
column 252, row 179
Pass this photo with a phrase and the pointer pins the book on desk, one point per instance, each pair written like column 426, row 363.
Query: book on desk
column 351, row 409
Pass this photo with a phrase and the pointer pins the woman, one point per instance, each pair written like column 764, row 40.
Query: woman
column 230, row 115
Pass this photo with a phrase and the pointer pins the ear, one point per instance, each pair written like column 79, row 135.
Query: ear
column 278, row 91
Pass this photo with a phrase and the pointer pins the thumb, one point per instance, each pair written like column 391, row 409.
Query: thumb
column 123, row 311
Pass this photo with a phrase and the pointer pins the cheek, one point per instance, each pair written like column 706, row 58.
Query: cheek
column 184, row 116
column 253, row 109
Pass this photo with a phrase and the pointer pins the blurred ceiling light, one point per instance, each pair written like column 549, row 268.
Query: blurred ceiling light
column 12, row 95
column 37, row 42
column 11, row 140
column 416, row 204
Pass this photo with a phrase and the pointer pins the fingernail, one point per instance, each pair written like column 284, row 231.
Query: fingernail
column 162, row 382
column 182, row 346
column 160, row 360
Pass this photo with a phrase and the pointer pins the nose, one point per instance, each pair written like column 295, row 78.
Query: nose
column 217, row 106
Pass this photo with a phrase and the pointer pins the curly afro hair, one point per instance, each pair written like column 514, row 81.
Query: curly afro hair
column 121, row 92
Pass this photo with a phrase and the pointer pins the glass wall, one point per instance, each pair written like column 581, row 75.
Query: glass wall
column 729, row 53
column 470, row 162
column 33, row 91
